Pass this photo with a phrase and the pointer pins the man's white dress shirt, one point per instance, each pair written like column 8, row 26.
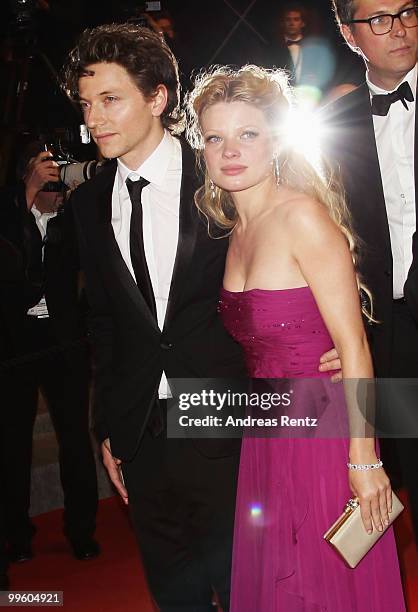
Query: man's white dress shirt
column 296, row 52
column 395, row 138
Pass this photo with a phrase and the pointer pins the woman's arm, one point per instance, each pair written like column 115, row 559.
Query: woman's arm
column 322, row 253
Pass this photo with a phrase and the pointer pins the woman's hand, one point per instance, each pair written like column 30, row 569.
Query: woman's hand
column 331, row 361
column 373, row 489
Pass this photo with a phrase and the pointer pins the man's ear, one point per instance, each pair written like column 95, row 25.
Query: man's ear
column 159, row 100
column 348, row 36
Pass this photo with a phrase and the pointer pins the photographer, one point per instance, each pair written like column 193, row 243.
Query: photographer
column 56, row 356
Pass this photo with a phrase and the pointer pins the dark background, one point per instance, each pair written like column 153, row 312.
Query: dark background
column 206, row 33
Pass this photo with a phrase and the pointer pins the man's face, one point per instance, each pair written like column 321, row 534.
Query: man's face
column 123, row 123
column 293, row 24
column 389, row 57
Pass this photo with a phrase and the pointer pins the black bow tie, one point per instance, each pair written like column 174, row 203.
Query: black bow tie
column 381, row 103
column 289, row 42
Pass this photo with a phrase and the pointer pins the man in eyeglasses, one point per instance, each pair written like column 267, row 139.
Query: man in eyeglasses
column 372, row 138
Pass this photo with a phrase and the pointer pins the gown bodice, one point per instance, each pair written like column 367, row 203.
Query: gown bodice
column 281, row 331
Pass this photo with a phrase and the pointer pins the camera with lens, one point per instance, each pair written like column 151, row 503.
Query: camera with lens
column 71, row 172
column 62, row 158
column 74, row 173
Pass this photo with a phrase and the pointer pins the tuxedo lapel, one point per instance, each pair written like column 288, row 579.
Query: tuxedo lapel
column 188, row 220
column 33, row 243
column 411, row 284
column 365, row 159
column 116, row 266
column 416, row 157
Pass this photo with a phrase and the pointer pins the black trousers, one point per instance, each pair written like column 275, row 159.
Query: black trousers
column 63, row 377
column 17, row 419
column 402, row 454
column 182, row 507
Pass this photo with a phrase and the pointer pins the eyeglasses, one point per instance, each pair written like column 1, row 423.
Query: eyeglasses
column 383, row 24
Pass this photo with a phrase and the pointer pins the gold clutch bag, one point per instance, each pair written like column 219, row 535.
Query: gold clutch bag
column 348, row 536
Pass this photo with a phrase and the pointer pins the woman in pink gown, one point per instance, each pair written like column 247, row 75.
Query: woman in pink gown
column 290, row 293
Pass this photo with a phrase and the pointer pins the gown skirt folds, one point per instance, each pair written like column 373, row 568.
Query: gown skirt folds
column 291, row 489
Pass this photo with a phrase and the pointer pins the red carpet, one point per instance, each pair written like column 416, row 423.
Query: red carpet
column 114, row 582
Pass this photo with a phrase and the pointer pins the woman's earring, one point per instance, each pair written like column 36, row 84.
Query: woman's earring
column 212, row 189
column 276, row 167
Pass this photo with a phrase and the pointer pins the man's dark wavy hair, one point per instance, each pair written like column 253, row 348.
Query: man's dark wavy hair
column 344, row 10
column 144, row 55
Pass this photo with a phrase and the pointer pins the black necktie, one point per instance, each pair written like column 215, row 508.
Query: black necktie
column 136, row 240
column 381, row 103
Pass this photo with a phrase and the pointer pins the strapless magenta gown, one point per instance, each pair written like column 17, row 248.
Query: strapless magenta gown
column 291, row 490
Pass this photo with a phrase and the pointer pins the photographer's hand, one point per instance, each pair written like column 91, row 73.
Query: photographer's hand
column 40, row 170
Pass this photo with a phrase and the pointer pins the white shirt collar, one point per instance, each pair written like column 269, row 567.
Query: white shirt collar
column 155, row 167
column 411, row 78
column 292, row 41
column 36, row 213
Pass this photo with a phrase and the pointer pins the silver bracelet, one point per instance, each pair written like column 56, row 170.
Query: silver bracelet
column 365, row 466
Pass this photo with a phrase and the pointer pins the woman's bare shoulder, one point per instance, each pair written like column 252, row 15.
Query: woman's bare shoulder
column 298, row 208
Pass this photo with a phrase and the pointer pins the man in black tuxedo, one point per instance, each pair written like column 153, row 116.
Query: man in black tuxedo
column 308, row 59
column 153, row 277
column 290, row 40
column 371, row 135
column 53, row 355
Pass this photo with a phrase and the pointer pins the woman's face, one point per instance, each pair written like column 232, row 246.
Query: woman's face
column 238, row 145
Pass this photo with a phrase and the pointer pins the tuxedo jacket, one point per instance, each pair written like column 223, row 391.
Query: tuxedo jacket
column 50, row 265
column 130, row 350
column 349, row 143
column 13, row 289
